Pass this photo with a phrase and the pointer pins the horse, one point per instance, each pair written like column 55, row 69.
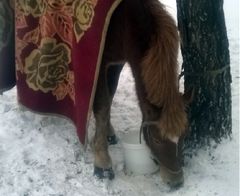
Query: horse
column 143, row 34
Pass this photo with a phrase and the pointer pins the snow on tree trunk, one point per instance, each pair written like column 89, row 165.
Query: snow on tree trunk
column 206, row 68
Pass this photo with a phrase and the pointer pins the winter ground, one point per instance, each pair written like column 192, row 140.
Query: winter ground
column 41, row 156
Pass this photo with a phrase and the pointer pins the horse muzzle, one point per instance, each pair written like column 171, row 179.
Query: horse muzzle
column 169, row 156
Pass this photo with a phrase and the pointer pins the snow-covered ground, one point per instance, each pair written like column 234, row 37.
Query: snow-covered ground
column 41, row 155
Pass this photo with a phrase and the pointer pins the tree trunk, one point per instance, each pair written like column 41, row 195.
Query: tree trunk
column 7, row 46
column 206, row 68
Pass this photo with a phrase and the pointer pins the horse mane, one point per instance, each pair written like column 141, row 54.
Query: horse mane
column 159, row 73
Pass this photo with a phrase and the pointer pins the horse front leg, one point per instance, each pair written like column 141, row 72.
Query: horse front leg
column 113, row 73
column 101, row 109
column 107, row 84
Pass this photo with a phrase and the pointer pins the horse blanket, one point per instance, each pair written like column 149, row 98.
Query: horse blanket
column 51, row 50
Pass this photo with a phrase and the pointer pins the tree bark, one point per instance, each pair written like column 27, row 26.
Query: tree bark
column 206, row 68
column 7, row 46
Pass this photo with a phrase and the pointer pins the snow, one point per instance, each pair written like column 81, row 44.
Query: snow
column 41, row 155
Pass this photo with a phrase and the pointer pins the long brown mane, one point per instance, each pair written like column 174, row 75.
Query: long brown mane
column 159, row 71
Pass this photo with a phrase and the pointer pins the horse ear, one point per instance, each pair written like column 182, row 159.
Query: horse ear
column 188, row 96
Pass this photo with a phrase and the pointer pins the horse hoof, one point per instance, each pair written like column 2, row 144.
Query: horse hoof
column 174, row 179
column 112, row 140
column 104, row 173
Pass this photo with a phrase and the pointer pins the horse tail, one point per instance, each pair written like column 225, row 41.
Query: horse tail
column 159, row 70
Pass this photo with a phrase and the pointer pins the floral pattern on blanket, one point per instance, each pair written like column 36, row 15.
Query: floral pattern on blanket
column 57, row 24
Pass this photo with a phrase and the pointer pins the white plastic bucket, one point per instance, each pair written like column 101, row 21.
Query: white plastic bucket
column 138, row 158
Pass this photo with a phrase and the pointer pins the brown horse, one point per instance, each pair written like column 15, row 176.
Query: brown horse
column 142, row 33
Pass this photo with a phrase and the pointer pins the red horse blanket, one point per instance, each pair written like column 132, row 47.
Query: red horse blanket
column 58, row 49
